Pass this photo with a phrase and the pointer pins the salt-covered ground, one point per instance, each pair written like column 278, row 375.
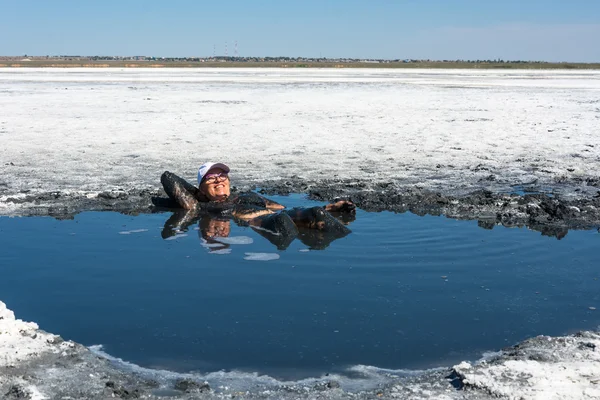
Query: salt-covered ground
column 72, row 134
column 91, row 130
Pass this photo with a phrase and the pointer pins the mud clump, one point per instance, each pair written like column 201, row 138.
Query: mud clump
column 17, row 392
column 328, row 385
column 190, row 386
column 121, row 392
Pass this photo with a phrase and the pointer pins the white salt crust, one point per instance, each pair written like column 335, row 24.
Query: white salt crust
column 548, row 368
column 21, row 340
column 87, row 130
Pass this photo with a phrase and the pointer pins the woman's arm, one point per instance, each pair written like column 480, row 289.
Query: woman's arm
column 179, row 190
column 341, row 206
column 272, row 205
column 249, row 212
column 255, row 199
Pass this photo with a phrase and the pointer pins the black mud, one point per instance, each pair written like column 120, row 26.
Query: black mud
column 551, row 214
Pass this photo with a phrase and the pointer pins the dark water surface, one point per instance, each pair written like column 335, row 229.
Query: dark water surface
column 401, row 291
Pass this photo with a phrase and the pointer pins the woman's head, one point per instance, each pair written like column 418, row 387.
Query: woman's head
column 213, row 181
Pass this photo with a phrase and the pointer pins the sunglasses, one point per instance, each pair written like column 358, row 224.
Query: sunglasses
column 214, row 178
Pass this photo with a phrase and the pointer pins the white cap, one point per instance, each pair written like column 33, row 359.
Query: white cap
column 204, row 168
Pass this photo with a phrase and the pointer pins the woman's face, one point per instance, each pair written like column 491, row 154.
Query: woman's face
column 215, row 185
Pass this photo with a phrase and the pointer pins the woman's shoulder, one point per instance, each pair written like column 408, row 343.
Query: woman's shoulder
column 247, row 198
column 255, row 199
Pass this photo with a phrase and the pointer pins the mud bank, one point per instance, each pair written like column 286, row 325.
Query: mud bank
column 551, row 214
column 38, row 365
column 391, row 140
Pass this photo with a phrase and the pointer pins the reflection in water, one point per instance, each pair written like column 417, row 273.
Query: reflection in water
column 558, row 232
column 212, row 228
column 278, row 229
column 386, row 295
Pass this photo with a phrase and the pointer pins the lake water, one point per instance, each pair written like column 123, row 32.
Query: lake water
column 399, row 292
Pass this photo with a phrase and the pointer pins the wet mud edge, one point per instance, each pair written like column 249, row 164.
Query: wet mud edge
column 550, row 214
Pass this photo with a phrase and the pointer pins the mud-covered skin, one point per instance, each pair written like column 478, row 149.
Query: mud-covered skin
column 252, row 198
column 280, row 224
column 185, row 195
column 257, row 210
column 279, row 229
column 180, row 191
column 245, row 205
column 316, row 218
column 317, row 228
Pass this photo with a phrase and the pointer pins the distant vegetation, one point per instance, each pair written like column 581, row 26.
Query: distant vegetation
column 274, row 62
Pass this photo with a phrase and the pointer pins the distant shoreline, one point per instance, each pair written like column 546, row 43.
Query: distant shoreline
column 291, row 64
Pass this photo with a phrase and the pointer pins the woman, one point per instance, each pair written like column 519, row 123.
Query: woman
column 213, row 195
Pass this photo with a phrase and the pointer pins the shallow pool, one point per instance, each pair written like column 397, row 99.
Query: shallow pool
column 400, row 292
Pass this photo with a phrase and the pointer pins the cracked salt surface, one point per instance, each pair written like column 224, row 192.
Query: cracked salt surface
column 416, row 127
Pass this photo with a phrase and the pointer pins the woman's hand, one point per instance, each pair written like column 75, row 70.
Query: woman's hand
column 341, row 206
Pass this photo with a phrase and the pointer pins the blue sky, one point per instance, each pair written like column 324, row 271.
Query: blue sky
column 549, row 30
